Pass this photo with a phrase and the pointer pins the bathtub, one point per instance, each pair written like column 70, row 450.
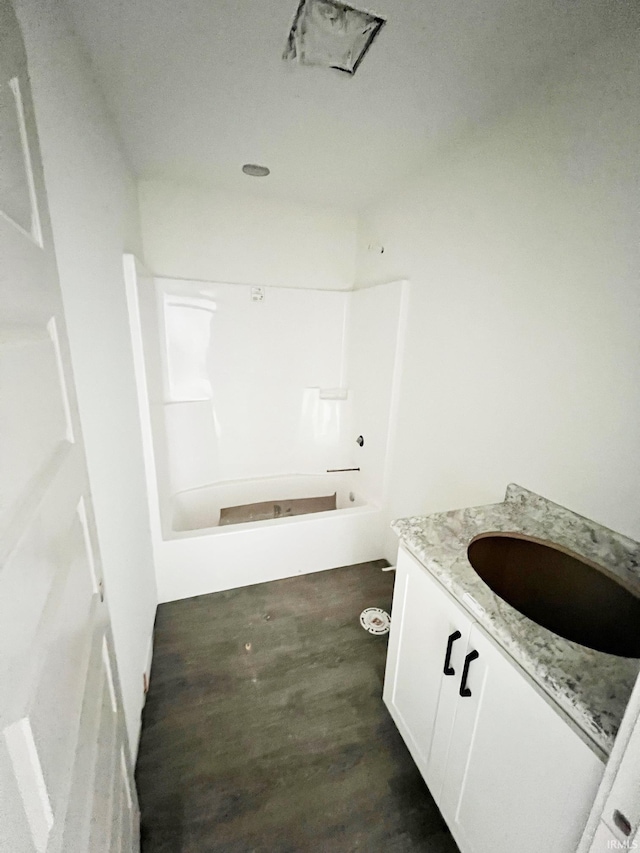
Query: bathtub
column 199, row 509
column 196, row 556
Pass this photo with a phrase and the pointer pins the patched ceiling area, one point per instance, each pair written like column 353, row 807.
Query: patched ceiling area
column 200, row 87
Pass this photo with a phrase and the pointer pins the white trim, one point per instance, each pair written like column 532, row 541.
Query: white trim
column 30, row 778
column 35, row 233
column 52, row 329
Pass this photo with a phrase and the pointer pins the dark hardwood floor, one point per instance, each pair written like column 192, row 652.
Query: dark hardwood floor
column 264, row 728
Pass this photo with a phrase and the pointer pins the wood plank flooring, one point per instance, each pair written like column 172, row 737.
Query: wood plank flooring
column 265, row 731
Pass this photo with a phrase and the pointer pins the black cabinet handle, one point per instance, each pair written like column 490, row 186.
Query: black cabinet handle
column 448, row 669
column 464, row 690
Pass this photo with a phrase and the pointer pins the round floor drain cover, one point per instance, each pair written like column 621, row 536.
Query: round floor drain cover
column 375, row 621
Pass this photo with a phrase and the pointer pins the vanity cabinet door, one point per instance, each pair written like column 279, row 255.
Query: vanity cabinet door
column 517, row 777
column 428, row 630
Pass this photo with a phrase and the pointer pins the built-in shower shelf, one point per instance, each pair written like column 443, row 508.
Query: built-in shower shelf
column 333, row 393
column 181, row 402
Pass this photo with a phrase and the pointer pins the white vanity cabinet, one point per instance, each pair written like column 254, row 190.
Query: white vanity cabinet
column 505, row 768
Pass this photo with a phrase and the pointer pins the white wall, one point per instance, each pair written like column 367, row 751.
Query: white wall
column 199, row 233
column 94, row 217
column 523, row 360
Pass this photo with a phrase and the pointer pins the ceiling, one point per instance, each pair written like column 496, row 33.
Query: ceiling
column 199, row 87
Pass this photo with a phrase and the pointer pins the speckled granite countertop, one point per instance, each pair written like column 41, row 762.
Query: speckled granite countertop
column 591, row 687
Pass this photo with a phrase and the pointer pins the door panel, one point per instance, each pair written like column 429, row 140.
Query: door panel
column 30, row 381
column 59, row 689
column 19, row 839
column 63, row 748
column 18, row 200
column 416, row 691
column 26, row 766
column 100, row 749
column 623, row 796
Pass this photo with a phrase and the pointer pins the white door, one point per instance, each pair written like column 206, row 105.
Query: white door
column 428, row 636
column 66, row 780
column 518, row 777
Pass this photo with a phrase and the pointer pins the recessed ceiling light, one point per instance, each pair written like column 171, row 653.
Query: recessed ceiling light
column 255, row 171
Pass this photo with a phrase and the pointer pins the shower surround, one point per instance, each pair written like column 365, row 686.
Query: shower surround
column 251, row 395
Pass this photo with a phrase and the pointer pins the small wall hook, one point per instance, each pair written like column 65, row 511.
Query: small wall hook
column 360, row 441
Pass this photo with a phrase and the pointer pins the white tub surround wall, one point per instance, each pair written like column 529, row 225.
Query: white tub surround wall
column 253, row 402
column 252, row 387
column 200, row 233
column 94, row 216
column 521, row 244
column 375, row 351
column 141, row 305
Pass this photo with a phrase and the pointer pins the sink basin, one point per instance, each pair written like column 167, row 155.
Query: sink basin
column 559, row 590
